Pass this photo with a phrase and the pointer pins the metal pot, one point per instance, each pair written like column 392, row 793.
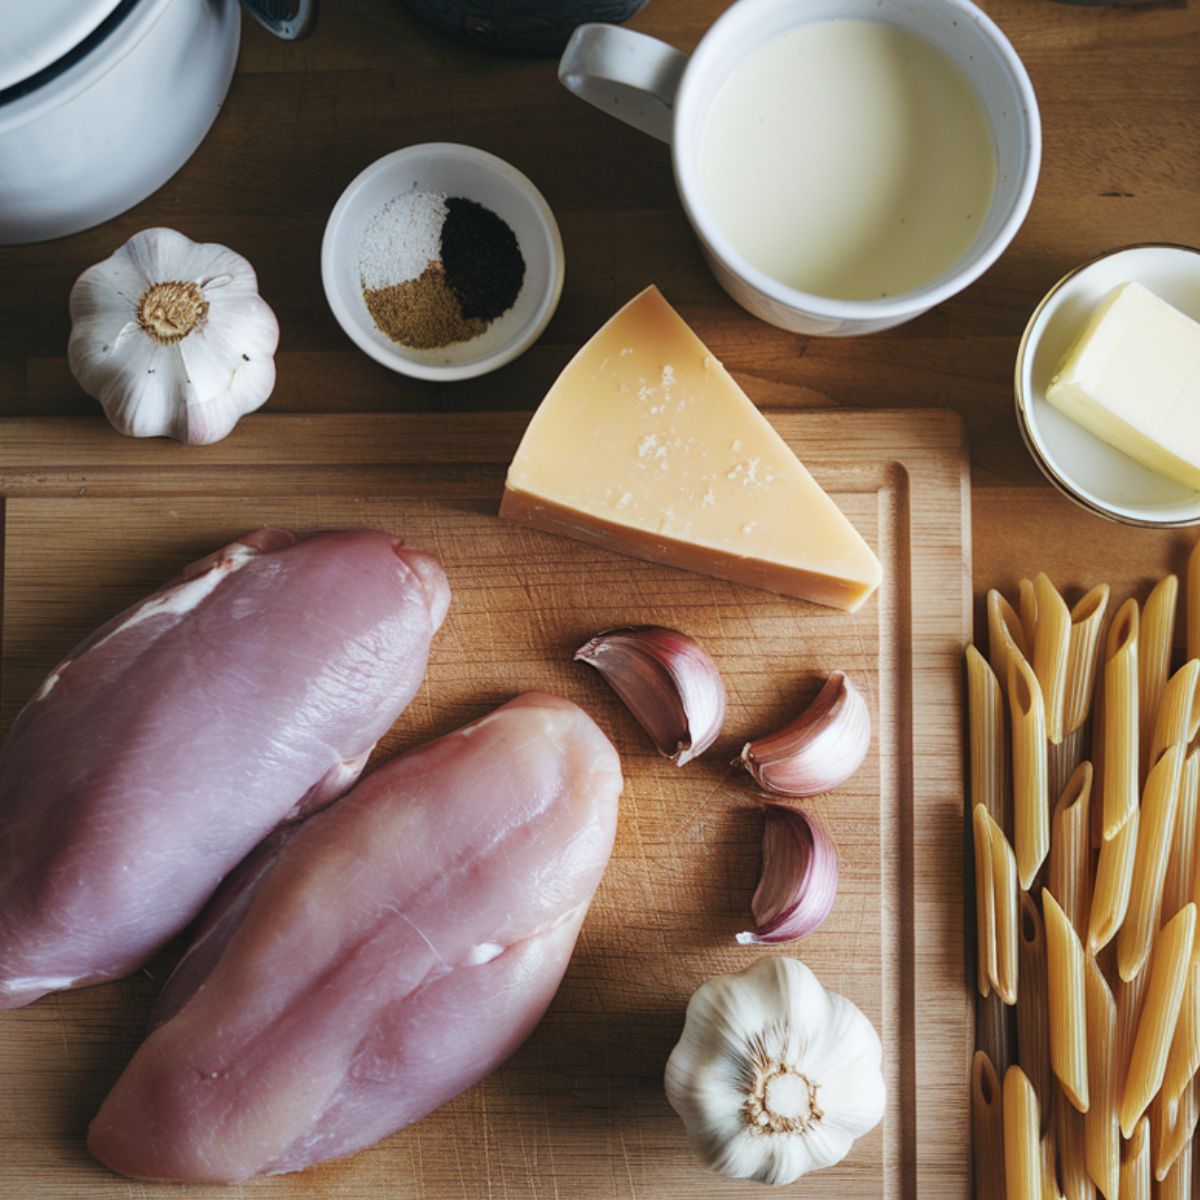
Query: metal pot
column 102, row 101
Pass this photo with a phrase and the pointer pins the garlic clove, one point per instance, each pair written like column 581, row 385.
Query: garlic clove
column 774, row 1076
column 817, row 751
column 799, row 878
column 669, row 684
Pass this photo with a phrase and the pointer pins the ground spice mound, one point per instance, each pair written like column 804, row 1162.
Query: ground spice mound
column 423, row 313
column 482, row 259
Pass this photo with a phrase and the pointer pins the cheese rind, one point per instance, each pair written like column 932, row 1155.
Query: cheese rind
column 646, row 445
column 1132, row 378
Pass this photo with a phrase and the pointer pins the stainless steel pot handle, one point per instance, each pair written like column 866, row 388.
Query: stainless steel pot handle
column 287, row 19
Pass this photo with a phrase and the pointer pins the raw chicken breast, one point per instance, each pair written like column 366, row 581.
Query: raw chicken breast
column 396, row 949
column 148, row 764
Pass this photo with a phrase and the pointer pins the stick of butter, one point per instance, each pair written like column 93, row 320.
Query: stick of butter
column 645, row 445
column 1133, row 379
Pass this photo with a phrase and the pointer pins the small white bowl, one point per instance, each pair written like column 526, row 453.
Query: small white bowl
column 1085, row 469
column 455, row 171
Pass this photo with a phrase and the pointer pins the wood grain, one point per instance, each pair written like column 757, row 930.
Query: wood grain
column 92, row 522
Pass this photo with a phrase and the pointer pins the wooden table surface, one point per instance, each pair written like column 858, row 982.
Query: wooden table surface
column 1120, row 96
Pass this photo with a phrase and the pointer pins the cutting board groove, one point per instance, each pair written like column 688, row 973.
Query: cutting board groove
column 92, row 521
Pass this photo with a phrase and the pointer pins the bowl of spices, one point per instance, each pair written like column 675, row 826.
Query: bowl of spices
column 442, row 261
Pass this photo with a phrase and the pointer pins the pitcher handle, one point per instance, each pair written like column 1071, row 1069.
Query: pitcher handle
column 287, row 19
column 628, row 75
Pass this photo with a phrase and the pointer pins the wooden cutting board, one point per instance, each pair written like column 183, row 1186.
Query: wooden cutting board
column 93, row 521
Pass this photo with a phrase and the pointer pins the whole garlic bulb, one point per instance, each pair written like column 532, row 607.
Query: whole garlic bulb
column 773, row 1075
column 172, row 337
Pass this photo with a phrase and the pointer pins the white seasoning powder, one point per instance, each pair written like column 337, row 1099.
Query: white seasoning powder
column 402, row 239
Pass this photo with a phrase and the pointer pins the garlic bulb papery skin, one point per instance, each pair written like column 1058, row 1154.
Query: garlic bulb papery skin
column 817, row 751
column 172, row 337
column 669, row 684
column 774, row 1076
column 799, row 878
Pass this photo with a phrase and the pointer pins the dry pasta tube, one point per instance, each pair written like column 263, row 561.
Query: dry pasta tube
column 1033, row 1007
column 1114, row 879
column 1178, row 715
column 1067, row 1003
column 1101, row 1128
column 1006, row 639
column 987, row 1129
column 1022, row 1143
column 1156, row 1029
column 1083, row 651
column 1004, row 890
column 994, row 1031
column 1181, row 863
column 1049, row 1149
column 1183, row 1059
column 1051, row 646
column 1069, row 873
column 1121, row 777
column 1177, row 1184
column 1155, row 640
column 1027, row 610
column 1131, row 999
column 1156, row 826
column 985, row 716
column 985, row 902
column 1068, row 1134
column 1177, row 1128
column 1031, row 805
column 1135, row 1164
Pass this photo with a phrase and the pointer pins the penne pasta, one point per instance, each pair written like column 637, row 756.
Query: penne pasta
column 1006, row 639
column 1114, row 880
column 1181, row 862
column 1072, row 1165
column 1022, row 1143
column 1063, row 760
column 985, row 902
column 1051, row 644
column 1033, row 1005
column 985, row 716
column 1083, row 651
column 1178, row 1128
column 1156, row 637
column 1067, row 1002
column 994, row 1031
column 1135, row 1164
column 1156, row 825
column 1177, row 1184
column 1031, row 806
column 1101, row 1128
column 1004, row 890
column 1183, row 1059
column 1068, row 875
column 1121, row 724
column 1027, row 611
column 1131, row 999
column 1160, row 1012
column 1049, row 1172
column 1178, row 711
column 987, row 1129
column 1192, row 602
column 1096, row 754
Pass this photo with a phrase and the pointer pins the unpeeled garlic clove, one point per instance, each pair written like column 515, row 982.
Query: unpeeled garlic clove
column 799, row 878
column 819, row 750
column 668, row 683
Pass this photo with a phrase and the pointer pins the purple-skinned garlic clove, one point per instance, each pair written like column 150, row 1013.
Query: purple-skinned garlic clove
column 669, row 684
column 817, row 751
column 799, row 878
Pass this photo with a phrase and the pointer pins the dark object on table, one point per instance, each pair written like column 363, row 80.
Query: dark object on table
column 287, row 19
column 526, row 26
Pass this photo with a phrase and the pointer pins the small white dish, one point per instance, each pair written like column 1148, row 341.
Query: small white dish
column 1085, row 469
column 454, row 170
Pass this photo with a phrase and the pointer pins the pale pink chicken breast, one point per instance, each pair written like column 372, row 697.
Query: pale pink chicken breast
column 169, row 743
column 391, row 952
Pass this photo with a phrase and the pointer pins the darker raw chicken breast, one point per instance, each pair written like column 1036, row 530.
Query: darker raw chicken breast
column 168, row 744
column 390, row 953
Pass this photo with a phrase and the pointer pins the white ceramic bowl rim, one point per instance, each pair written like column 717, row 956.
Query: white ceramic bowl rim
column 1033, row 443
column 396, row 359
column 910, row 303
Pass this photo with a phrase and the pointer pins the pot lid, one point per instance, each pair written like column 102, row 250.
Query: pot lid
column 39, row 33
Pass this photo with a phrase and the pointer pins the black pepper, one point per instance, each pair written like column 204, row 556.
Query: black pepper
column 483, row 262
